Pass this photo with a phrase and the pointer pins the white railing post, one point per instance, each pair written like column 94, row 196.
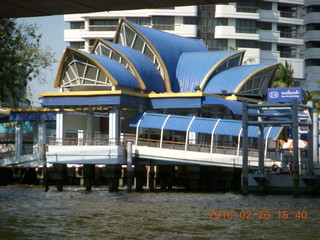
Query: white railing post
column 163, row 125
column 187, row 133
column 212, row 134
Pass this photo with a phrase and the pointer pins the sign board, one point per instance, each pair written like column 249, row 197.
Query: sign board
column 284, row 94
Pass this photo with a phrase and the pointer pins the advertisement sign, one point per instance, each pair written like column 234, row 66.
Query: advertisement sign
column 284, row 94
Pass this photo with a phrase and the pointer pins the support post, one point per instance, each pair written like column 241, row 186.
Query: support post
column 315, row 136
column 129, row 166
column 60, row 131
column 311, row 145
column 18, row 141
column 114, row 130
column 261, row 149
column 295, row 137
column 45, row 169
column 245, row 171
column 151, row 176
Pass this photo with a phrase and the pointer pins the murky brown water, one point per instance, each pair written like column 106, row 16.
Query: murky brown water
column 31, row 213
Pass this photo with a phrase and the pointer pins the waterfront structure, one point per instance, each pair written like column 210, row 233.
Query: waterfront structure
column 269, row 31
column 161, row 91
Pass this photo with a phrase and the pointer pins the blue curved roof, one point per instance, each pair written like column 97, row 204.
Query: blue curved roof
column 149, row 74
column 170, row 47
column 230, row 79
column 116, row 70
column 194, row 66
column 199, row 124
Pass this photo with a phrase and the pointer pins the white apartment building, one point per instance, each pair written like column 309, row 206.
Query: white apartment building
column 312, row 43
column 85, row 28
column 270, row 31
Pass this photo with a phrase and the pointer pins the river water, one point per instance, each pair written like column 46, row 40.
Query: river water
column 31, row 213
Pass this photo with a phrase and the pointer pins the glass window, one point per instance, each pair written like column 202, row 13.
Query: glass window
column 129, row 36
column 312, row 62
column 91, row 72
column 264, row 25
column 311, row 9
column 138, row 44
column 103, row 24
column 264, row 46
column 76, row 25
column 313, row 44
column 313, row 27
column 189, row 20
column 77, row 45
column 163, row 23
column 245, row 26
column 149, row 53
column 221, row 21
column 245, row 44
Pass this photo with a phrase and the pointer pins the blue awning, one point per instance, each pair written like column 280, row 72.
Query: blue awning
column 32, row 116
column 200, row 125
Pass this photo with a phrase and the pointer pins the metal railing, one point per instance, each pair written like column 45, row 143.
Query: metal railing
column 194, row 147
column 83, row 141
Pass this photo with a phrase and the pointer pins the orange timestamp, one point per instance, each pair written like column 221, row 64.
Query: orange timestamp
column 245, row 215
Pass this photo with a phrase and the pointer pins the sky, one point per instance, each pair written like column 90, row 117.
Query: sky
column 51, row 28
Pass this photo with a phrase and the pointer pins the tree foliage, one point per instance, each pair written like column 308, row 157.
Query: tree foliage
column 284, row 76
column 21, row 59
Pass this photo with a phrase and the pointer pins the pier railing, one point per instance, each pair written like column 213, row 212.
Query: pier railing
column 84, row 141
column 194, row 147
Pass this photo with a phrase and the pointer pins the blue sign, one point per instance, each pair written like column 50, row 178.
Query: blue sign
column 284, row 94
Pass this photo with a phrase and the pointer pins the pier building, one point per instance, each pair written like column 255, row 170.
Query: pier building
column 176, row 102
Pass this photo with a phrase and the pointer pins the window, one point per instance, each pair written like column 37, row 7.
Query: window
column 77, row 45
column 312, row 62
column 264, row 5
column 311, row 9
column 76, row 25
column 264, row 46
column 245, row 26
column 140, row 20
column 189, row 20
column 103, row 24
column 249, row 7
column 245, row 44
column 313, row 44
column 313, row 27
column 163, row 23
column 264, row 25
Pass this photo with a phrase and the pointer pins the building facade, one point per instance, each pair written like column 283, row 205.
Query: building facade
column 269, row 31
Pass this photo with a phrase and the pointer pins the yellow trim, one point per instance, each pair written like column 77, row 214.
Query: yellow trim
column 67, row 51
column 166, row 79
column 137, row 75
column 208, row 75
column 244, row 81
column 59, row 72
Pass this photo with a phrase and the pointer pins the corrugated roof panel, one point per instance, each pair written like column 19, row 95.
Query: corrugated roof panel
column 170, row 47
column 203, row 125
column 194, row 66
column 230, row 79
column 178, row 123
column 120, row 74
column 149, row 74
column 228, row 127
column 199, row 125
column 153, row 120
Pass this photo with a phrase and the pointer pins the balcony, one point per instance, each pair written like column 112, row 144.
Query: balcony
column 312, row 18
column 312, row 35
column 230, row 32
column 229, row 11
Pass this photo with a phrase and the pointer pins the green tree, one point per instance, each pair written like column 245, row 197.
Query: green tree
column 21, row 59
column 284, row 76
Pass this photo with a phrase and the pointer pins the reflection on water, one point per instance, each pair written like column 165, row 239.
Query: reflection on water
column 31, row 213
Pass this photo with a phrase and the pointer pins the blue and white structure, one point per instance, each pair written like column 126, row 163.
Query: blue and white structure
column 188, row 91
